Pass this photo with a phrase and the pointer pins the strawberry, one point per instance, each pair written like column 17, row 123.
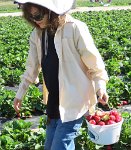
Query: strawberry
column 92, row 122
column 112, row 117
column 105, row 117
column 106, row 122
column 88, row 117
column 118, row 118
column 119, row 104
column 101, row 123
column 109, row 147
column 114, row 112
column 110, row 122
column 124, row 102
column 96, row 118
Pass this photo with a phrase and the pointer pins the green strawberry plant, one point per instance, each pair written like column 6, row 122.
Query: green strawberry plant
column 31, row 103
column 17, row 135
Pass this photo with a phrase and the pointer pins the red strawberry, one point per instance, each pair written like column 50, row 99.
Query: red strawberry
column 118, row 118
column 92, row 122
column 124, row 102
column 109, row 147
column 119, row 104
column 112, row 117
column 88, row 117
column 110, row 122
column 101, row 123
column 96, row 118
column 114, row 112
column 106, row 122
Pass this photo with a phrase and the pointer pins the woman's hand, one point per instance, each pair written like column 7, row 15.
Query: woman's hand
column 102, row 96
column 17, row 105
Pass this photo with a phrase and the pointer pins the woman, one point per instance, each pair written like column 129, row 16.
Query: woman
column 72, row 67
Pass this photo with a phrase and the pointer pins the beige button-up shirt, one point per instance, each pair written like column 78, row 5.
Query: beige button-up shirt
column 81, row 69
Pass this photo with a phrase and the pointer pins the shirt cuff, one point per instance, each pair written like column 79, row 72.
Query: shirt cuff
column 22, row 89
column 100, row 84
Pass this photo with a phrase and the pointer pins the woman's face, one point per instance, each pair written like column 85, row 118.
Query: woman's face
column 39, row 17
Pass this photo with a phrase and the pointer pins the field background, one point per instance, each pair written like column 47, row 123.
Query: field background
column 9, row 6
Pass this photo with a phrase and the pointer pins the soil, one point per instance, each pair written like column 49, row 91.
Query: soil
column 79, row 9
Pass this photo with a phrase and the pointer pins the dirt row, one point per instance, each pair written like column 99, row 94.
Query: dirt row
column 79, row 9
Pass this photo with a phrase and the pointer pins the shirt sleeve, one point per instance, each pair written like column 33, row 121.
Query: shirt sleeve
column 23, row 86
column 32, row 69
column 90, row 56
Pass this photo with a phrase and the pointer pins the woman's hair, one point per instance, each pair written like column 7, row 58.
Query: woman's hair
column 53, row 18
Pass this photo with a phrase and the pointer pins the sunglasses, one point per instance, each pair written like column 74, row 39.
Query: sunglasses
column 37, row 17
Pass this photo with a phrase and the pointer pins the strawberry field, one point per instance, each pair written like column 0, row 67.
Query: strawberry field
column 111, row 31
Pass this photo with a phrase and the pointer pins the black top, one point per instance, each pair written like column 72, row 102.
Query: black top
column 50, row 67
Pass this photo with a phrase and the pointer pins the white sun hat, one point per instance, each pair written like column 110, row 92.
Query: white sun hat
column 58, row 6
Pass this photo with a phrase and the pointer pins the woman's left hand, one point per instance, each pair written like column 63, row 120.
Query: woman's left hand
column 102, row 96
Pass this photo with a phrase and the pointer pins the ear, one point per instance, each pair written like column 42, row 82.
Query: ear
column 61, row 19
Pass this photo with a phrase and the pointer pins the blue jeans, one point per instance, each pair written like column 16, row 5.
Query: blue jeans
column 60, row 136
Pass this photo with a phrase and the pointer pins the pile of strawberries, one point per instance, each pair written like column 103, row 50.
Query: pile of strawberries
column 104, row 118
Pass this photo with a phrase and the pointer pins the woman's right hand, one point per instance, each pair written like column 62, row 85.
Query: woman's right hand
column 17, row 105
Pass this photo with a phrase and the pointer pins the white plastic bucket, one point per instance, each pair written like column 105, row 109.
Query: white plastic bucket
column 104, row 135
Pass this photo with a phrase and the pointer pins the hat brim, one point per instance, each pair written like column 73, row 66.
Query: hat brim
column 58, row 6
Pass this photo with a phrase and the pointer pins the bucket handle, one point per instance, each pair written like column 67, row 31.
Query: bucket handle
column 104, row 107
